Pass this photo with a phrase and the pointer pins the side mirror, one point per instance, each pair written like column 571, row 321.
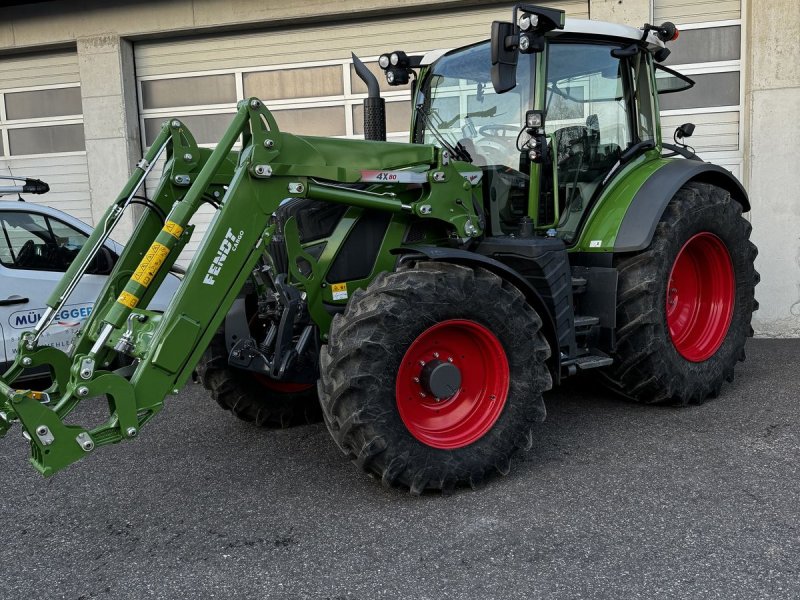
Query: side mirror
column 526, row 35
column 504, row 59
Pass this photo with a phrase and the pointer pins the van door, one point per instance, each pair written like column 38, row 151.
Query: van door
column 35, row 251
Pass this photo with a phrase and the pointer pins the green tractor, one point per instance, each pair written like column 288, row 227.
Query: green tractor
column 422, row 296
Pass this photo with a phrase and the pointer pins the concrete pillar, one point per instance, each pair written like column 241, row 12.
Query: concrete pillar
column 626, row 12
column 110, row 120
column 773, row 109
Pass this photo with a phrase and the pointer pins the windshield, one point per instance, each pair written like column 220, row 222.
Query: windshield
column 457, row 108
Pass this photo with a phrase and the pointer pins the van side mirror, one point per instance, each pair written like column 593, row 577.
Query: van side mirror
column 504, row 58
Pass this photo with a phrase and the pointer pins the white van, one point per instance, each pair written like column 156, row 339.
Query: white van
column 37, row 244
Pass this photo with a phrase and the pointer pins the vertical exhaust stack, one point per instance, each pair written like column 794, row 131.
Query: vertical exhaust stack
column 374, row 105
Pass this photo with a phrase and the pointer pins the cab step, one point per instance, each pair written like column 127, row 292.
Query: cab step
column 585, row 321
column 594, row 360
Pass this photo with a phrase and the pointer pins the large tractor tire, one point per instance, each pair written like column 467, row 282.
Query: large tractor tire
column 433, row 376
column 684, row 305
column 256, row 398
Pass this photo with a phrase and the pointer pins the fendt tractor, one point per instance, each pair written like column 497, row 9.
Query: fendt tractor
column 422, row 296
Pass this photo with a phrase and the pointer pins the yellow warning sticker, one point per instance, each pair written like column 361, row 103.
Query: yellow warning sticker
column 128, row 300
column 172, row 228
column 152, row 260
column 339, row 291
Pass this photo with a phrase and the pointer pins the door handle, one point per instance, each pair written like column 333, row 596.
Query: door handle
column 11, row 300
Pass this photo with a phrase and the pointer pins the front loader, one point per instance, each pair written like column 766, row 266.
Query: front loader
column 421, row 296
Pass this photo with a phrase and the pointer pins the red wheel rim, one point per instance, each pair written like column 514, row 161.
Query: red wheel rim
column 283, row 387
column 471, row 411
column 700, row 297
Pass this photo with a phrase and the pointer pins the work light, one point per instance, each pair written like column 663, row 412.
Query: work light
column 534, row 119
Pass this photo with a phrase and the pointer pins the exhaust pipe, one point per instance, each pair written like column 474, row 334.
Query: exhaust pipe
column 374, row 105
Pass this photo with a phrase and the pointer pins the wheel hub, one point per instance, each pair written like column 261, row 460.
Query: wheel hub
column 700, row 297
column 452, row 384
column 441, row 379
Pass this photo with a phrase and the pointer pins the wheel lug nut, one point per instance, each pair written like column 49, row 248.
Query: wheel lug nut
column 450, row 359
column 422, row 363
column 416, row 379
column 423, row 395
column 435, row 355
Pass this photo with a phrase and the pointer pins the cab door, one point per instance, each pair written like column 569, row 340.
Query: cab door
column 35, row 251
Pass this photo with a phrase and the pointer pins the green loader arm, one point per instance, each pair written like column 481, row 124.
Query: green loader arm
column 164, row 348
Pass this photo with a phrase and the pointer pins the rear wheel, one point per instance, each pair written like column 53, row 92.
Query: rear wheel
column 685, row 304
column 434, row 376
column 253, row 397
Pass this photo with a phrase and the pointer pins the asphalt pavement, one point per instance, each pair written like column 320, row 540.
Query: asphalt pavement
column 614, row 500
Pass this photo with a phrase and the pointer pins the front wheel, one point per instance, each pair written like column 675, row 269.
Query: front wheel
column 253, row 397
column 684, row 305
column 434, row 375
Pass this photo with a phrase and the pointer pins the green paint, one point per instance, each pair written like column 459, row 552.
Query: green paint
column 270, row 167
column 606, row 216
column 249, row 185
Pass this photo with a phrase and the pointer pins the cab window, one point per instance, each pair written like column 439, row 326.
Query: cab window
column 589, row 118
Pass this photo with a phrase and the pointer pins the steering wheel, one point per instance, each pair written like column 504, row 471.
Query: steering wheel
column 498, row 131
column 26, row 254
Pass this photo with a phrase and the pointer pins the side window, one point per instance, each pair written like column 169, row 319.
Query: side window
column 6, row 253
column 38, row 242
column 69, row 242
column 644, row 95
column 588, row 105
column 26, row 236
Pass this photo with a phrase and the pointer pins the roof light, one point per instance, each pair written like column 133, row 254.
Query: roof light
column 528, row 21
column 398, row 58
column 396, row 76
column 383, row 61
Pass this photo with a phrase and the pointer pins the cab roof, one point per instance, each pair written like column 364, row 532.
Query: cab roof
column 579, row 27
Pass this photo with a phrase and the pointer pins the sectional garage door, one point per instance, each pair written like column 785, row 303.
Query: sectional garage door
column 303, row 74
column 709, row 51
column 41, row 128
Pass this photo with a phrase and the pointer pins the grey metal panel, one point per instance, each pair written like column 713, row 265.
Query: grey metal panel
column 68, row 178
column 639, row 223
column 696, row 11
column 716, row 132
column 30, row 70
column 327, row 42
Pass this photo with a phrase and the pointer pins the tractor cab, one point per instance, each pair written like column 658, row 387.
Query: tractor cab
column 549, row 109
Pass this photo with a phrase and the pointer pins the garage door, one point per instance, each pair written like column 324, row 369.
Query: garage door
column 41, row 128
column 709, row 50
column 304, row 75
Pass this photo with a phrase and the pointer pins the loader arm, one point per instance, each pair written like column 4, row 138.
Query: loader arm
column 163, row 349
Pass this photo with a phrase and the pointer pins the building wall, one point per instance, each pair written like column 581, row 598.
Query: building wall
column 104, row 32
column 773, row 101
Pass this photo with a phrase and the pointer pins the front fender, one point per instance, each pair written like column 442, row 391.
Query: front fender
column 465, row 257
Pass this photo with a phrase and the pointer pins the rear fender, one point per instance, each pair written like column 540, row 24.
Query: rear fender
column 640, row 196
column 645, row 210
